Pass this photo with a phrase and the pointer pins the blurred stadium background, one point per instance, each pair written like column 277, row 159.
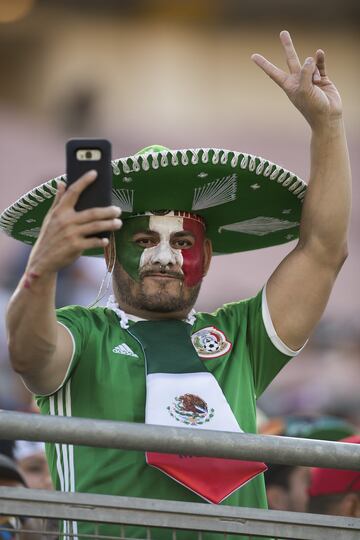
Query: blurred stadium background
column 179, row 73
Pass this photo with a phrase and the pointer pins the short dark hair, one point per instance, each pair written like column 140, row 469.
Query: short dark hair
column 7, row 448
column 9, row 470
column 278, row 475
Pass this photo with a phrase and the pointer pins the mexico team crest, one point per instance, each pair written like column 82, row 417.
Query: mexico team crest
column 191, row 410
column 210, row 342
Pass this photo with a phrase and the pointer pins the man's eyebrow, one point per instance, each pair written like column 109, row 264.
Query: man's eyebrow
column 180, row 234
column 146, row 231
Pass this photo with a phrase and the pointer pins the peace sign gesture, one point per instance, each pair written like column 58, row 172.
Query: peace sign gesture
column 307, row 86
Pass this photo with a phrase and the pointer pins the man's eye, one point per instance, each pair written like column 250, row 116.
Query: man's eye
column 145, row 242
column 183, row 244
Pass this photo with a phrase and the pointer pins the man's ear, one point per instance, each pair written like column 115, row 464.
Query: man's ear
column 110, row 253
column 207, row 255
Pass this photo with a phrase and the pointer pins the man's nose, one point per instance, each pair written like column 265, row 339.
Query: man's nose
column 163, row 254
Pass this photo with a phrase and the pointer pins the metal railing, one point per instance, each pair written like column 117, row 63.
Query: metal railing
column 175, row 517
column 174, row 440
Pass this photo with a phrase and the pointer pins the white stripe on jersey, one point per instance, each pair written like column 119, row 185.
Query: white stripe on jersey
column 66, row 465
column 71, row 453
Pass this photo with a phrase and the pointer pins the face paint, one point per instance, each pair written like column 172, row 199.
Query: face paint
column 134, row 258
column 163, row 253
column 193, row 265
column 129, row 253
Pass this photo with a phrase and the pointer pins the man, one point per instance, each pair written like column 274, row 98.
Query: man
column 91, row 362
column 335, row 492
column 11, row 476
column 31, row 459
column 287, row 485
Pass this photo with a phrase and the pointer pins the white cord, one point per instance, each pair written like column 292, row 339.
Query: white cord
column 108, row 275
column 104, row 283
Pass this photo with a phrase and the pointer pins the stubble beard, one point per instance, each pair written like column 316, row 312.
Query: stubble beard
column 135, row 294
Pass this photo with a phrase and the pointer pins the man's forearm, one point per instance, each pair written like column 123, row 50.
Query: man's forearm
column 31, row 322
column 326, row 210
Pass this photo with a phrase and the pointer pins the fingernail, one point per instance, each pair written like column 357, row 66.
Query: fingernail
column 92, row 173
column 118, row 222
column 118, row 209
column 309, row 60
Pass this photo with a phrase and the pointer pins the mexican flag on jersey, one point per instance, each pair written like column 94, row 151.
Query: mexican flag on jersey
column 181, row 392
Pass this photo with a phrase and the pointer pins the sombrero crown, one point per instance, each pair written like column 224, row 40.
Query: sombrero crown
column 247, row 202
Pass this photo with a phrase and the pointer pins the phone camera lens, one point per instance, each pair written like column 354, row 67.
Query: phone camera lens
column 88, row 154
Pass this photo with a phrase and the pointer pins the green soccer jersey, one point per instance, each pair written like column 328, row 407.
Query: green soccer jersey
column 106, row 380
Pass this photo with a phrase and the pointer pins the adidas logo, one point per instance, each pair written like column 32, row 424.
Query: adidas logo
column 124, row 349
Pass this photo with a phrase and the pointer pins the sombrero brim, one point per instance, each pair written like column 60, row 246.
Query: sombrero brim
column 247, row 202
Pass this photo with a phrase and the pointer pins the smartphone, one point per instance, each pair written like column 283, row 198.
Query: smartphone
column 83, row 155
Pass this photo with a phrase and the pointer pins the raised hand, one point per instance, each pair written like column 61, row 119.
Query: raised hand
column 307, row 86
column 66, row 233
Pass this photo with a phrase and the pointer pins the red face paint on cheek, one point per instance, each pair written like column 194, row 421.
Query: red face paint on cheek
column 193, row 265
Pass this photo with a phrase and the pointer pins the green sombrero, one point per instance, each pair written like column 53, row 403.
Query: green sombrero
column 247, row 202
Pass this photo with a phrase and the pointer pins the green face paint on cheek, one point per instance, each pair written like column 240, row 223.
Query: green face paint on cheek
column 129, row 253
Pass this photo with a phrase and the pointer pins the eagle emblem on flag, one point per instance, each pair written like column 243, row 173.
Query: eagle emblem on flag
column 191, row 410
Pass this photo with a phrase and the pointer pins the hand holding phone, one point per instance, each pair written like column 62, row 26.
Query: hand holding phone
column 83, row 155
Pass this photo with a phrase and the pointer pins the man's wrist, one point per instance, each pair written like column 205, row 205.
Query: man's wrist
column 35, row 279
column 328, row 125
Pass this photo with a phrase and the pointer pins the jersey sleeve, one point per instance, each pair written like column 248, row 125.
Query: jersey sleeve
column 268, row 353
column 76, row 320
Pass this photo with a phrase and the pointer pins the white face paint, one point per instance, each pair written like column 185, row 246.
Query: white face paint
column 163, row 253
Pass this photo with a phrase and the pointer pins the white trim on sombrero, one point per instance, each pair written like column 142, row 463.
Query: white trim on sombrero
column 247, row 161
column 171, row 213
column 135, row 163
column 271, row 332
column 10, row 215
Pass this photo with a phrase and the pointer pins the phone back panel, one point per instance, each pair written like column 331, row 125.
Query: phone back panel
column 99, row 192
